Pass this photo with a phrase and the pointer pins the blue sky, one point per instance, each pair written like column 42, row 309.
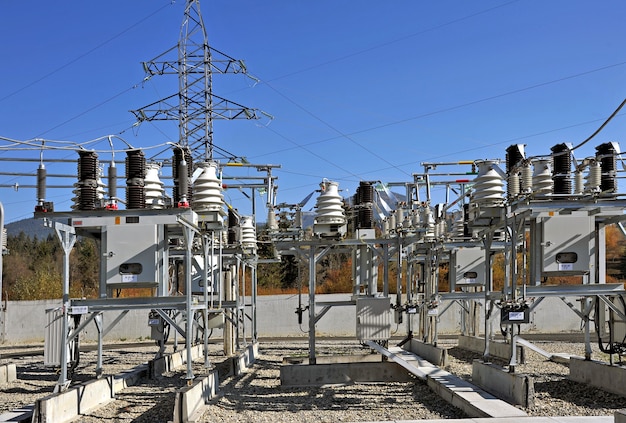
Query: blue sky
column 358, row 90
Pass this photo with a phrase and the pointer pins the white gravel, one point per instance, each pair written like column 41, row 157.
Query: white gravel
column 258, row 397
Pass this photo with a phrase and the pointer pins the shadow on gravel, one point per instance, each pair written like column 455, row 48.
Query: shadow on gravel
column 579, row 394
column 254, row 392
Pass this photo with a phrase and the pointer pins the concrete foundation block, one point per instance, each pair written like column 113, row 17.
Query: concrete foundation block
column 514, row 388
column 11, row 373
column 496, row 349
column 620, row 416
column 246, row 358
column 172, row 361
column 68, row 405
column 342, row 373
column 435, row 355
column 468, row 398
column 598, row 374
column 129, row 378
column 191, row 400
column 8, row 373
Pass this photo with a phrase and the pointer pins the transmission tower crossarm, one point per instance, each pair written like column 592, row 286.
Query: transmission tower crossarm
column 220, row 63
column 194, row 106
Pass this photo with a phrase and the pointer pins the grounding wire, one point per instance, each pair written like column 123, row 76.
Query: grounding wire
column 119, row 34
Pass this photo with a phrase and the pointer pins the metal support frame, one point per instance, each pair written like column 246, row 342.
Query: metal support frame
column 67, row 238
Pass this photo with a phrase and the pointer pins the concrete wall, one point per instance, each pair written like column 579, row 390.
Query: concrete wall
column 25, row 321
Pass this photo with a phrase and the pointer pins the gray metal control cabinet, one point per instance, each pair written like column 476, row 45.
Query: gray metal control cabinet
column 134, row 255
column 567, row 243
column 135, row 247
column 373, row 318
column 467, row 267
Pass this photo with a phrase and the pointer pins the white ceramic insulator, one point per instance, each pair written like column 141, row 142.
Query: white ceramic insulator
column 441, row 229
column 415, row 217
column 579, row 182
column 248, row 232
column 100, row 189
column 392, row 220
column 428, row 221
column 400, row 217
column 542, row 178
column 488, row 185
column 594, row 178
column 457, row 227
column 153, row 187
column 272, row 223
column 207, row 190
column 330, row 205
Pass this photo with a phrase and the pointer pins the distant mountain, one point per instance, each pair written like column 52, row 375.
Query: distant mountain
column 31, row 228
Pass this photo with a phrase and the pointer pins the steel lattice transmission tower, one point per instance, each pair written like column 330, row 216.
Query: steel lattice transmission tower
column 197, row 106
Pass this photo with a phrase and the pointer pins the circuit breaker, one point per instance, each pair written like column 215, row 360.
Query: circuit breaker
column 567, row 242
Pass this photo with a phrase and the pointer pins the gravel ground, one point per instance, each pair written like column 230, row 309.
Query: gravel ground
column 257, row 396
column 555, row 394
column 34, row 380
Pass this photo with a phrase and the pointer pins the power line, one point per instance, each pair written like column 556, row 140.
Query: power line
column 343, row 135
column 387, row 43
column 315, row 154
column 76, row 59
column 90, row 109
column 456, row 107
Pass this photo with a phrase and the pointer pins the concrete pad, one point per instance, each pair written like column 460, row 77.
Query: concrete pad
column 190, row 401
column 620, row 416
column 514, row 388
column 497, row 349
column 245, row 358
column 129, row 378
column 568, row 419
column 341, row 373
column 411, row 362
column 172, row 361
column 334, row 359
column 67, row 405
column 19, row 415
column 470, row 399
column 582, row 419
column 435, row 355
column 598, row 374
column 8, row 373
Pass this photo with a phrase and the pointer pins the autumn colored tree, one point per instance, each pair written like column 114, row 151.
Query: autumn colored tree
column 33, row 268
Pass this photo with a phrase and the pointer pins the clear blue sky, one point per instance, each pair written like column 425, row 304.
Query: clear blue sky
column 359, row 90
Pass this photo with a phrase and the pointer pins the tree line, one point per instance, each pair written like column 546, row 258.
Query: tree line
column 33, row 269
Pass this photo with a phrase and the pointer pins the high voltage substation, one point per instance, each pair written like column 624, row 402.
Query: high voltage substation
column 174, row 234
